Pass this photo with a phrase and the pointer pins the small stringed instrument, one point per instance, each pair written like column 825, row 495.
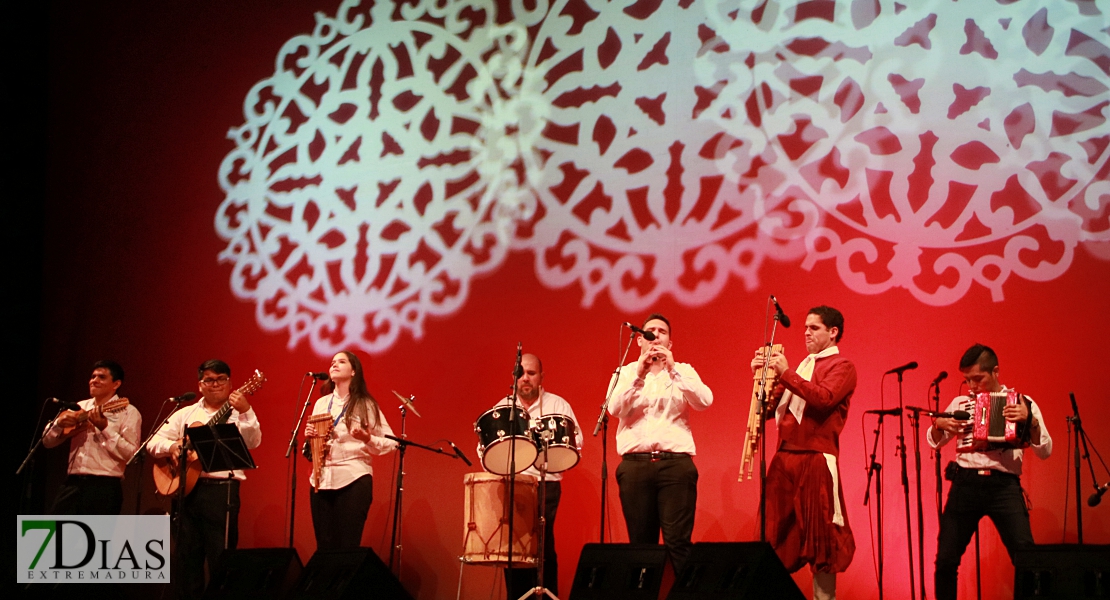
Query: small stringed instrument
column 167, row 476
column 110, row 406
column 760, row 394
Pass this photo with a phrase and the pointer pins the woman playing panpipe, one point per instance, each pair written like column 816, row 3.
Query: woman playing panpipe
column 348, row 427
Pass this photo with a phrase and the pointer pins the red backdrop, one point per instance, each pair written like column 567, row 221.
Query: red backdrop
column 141, row 101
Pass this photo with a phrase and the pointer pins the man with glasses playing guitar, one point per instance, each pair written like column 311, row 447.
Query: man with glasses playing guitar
column 214, row 501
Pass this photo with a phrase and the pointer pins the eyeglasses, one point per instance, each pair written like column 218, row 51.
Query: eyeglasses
column 209, row 382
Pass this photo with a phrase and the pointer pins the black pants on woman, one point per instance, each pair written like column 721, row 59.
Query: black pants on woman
column 338, row 516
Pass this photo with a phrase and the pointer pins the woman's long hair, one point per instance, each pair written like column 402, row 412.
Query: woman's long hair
column 361, row 404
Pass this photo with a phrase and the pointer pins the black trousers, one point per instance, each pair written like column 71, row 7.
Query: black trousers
column 89, row 495
column 519, row 581
column 972, row 497
column 660, row 496
column 210, row 509
column 338, row 516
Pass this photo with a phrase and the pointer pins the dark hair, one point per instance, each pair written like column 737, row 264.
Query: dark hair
column 358, row 391
column 831, row 318
column 113, row 367
column 980, row 355
column 658, row 317
column 215, row 365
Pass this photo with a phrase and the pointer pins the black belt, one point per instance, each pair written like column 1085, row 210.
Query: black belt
column 654, row 456
column 215, row 480
column 964, row 471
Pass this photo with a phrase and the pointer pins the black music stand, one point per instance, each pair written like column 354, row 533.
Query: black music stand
column 220, row 447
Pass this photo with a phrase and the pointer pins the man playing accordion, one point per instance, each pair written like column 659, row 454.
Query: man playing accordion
column 985, row 477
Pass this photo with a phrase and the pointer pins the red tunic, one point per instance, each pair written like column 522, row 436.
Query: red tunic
column 800, row 492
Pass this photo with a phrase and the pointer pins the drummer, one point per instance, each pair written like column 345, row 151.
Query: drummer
column 539, row 403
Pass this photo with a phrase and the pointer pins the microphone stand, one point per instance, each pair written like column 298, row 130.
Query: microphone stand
column 764, row 411
column 289, row 452
column 915, row 422
column 603, row 425
column 1081, row 435
column 872, row 468
column 937, row 459
column 906, row 487
column 518, row 372
column 395, row 545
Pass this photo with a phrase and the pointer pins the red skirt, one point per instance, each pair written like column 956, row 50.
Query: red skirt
column 801, row 508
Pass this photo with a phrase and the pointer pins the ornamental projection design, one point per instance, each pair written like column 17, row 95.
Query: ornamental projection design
column 661, row 148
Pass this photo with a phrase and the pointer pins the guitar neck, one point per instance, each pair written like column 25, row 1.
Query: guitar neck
column 248, row 388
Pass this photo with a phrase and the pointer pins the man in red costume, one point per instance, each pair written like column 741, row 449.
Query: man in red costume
column 806, row 520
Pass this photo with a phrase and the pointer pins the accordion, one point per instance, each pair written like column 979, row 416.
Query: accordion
column 988, row 429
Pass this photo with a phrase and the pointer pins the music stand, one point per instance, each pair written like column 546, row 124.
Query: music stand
column 220, row 447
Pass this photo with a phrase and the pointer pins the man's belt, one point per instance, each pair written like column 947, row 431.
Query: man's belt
column 654, row 456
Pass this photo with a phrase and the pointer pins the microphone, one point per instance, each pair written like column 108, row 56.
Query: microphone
column 1097, row 496
column 890, row 412
column 518, row 369
column 959, row 415
column 67, row 405
column 459, row 453
column 943, row 375
column 785, row 320
column 187, row 396
column 649, row 336
column 322, row 375
column 905, row 367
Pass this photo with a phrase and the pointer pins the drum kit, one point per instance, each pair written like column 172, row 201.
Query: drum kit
column 509, row 443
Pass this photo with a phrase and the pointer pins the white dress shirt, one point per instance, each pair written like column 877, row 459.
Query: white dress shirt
column 199, row 412
column 348, row 457
column 653, row 411
column 96, row 452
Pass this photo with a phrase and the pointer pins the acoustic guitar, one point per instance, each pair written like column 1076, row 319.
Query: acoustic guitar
column 167, row 476
column 83, row 423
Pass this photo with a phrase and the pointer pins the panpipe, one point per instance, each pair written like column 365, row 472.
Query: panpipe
column 988, row 429
column 765, row 379
column 323, row 425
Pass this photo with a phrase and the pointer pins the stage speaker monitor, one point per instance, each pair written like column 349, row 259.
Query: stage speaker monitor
column 257, row 572
column 734, row 571
column 1057, row 571
column 345, row 574
column 619, row 572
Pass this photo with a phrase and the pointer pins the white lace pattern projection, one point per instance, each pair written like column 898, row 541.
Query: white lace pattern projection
column 651, row 148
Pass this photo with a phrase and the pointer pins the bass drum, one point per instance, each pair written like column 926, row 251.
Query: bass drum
column 499, row 430
column 486, row 531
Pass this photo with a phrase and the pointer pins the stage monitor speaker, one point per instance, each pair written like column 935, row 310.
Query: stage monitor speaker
column 1057, row 571
column 344, row 574
column 619, row 572
column 734, row 571
column 258, row 572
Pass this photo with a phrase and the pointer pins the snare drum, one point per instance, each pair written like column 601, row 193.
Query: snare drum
column 562, row 452
column 486, row 532
column 496, row 443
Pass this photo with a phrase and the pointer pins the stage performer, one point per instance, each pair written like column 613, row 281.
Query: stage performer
column 657, row 477
column 210, row 514
column 984, row 483
column 100, row 448
column 341, row 499
column 806, row 518
column 539, row 402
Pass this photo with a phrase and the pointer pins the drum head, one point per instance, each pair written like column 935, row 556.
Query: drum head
column 498, row 456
